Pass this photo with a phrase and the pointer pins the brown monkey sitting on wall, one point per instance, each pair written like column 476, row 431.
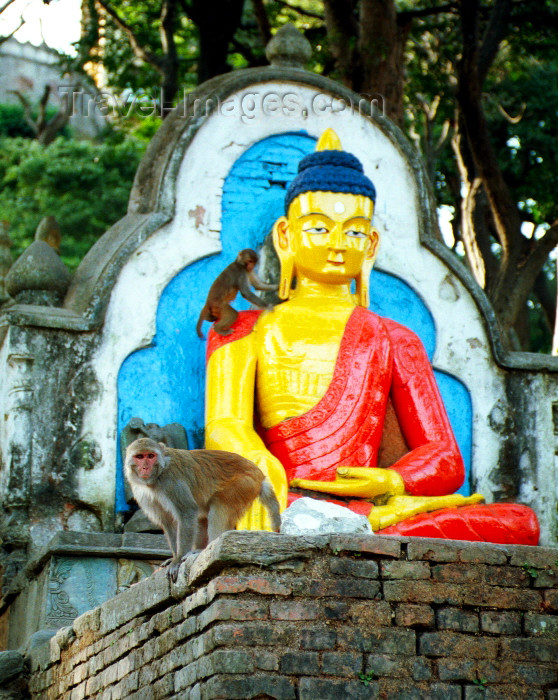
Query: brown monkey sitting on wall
column 194, row 495
column 235, row 278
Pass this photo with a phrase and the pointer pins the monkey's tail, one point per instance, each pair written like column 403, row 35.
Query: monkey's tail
column 199, row 327
column 269, row 499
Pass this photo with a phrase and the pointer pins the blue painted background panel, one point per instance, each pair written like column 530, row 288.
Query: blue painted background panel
column 393, row 298
column 174, row 366
column 165, row 382
column 457, row 401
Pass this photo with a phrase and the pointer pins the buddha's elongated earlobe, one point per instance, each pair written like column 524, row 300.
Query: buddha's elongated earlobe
column 363, row 285
column 281, row 243
column 363, row 278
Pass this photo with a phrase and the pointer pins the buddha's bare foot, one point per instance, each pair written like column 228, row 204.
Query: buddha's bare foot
column 400, row 508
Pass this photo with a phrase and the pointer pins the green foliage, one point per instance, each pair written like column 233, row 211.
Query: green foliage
column 480, row 683
column 520, row 99
column 123, row 71
column 13, row 124
column 366, row 678
column 527, row 144
column 85, row 186
column 530, row 570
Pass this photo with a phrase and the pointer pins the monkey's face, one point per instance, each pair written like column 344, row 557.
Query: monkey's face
column 248, row 258
column 145, row 463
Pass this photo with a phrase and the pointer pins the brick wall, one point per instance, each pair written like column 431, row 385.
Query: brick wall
column 258, row 615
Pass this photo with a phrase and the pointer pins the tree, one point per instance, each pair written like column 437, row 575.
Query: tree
column 85, row 186
column 214, row 22
column 454, row 75
column 43, row 126
column 510, row 278
column 3, row 8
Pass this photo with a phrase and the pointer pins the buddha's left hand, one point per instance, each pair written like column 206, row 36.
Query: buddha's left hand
column 399, row 508
column 357, row 482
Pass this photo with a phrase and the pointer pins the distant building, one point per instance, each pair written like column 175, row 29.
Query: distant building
column 28, row 69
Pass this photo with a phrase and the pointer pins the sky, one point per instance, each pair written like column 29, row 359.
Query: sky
column 58, row 23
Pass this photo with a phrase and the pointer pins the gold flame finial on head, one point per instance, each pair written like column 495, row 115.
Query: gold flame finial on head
column 329, row 141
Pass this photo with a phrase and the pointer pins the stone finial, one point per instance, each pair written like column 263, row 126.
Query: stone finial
column 38, row 276
column 5, row 259
column 48, row 231
column 288, row 48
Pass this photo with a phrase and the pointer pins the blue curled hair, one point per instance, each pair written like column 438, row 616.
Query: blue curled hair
column 330, row 171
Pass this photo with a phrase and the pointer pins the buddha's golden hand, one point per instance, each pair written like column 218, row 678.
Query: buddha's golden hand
column 399, row 508
column 359, row 482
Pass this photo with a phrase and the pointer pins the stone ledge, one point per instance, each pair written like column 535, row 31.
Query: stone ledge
column 94, row 544
column 289, row 616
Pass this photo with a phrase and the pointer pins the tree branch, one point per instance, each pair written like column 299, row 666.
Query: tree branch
column 10, row 35
column 170, row 60
column 541, row 250
column 408, row 15
column 547, row 298
column 300, row 10
column 41, row 118
column 168, row 26
column 504, row 210
column 263, row 20
column 341, row 28
column 60, row 119
column 6, row 5
column 496, row 30
column 142, row 53
column 26, row 109
column 44, row 130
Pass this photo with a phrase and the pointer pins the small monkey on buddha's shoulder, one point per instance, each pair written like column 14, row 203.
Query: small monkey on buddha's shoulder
column 236, row 277
column 194, row 495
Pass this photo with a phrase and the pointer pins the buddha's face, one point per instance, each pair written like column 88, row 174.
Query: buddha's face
column 330, row 235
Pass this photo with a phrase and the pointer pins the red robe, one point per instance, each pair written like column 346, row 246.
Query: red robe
column 380, row 358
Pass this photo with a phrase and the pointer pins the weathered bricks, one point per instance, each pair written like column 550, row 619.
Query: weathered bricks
column 344, row 617
column 349, row 567
column 456, row 619
column 295, row 610
column 318, row 637
column 500, row 622
column 414, row 616
column 544, row 650
column 329, row 689
column 300, row 663
column 413, row 570
column 383, row 640
column 342, row 663
column 458, row 645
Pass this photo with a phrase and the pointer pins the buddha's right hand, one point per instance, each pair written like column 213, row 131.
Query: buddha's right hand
column 357, row 482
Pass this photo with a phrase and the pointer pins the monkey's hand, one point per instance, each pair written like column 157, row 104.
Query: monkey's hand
column 174, row 564
column 357, row 482
column 172, row 571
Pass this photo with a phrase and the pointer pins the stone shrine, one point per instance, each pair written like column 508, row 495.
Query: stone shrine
column 122, row 343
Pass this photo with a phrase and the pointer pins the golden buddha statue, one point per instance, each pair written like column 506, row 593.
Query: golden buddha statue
column 304, row 390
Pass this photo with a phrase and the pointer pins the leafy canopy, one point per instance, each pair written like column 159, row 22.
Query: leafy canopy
column 85, row 186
